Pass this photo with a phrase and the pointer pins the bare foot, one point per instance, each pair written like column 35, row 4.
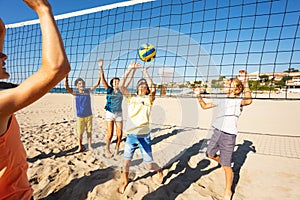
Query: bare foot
column 108, row 154
column 80, row 149
column 227, row 195
column 122, row 188
column 117, row 153
column 91, row 148
column 160, row 176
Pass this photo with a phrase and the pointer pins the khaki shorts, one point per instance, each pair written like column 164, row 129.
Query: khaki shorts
column 84, row 123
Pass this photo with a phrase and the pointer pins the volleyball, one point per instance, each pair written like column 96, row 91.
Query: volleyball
column 147, row 52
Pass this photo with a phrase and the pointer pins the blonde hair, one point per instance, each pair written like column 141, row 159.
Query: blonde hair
column 238, row 86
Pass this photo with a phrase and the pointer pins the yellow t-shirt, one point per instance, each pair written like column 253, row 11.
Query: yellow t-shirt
column 139, row 108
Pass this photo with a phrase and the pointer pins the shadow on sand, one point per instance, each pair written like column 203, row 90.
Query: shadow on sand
column 238, row 158
column 79, row 188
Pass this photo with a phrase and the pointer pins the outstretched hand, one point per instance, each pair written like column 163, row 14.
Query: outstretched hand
column 38, row 5
column 134, row 65
column 100, row 63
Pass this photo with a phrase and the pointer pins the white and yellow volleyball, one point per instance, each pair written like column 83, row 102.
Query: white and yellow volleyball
column 147, row 52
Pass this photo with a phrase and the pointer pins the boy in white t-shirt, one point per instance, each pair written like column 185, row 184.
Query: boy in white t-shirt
column 137, row 125
column 225, row 122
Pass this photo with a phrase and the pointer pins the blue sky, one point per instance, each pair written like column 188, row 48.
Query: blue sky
column 191, row 37
column 13, row 11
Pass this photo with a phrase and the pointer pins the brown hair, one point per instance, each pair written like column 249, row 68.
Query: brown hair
column 77, row 80
column 138, row 84
column 112, row 80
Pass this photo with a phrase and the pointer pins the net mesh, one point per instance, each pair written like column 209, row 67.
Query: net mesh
column 197, row 42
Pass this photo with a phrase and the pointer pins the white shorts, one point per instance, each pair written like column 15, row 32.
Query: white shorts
column 117, row 117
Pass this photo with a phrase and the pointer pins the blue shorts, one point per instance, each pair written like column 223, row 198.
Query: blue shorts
column 224, row 143
column 135, row 141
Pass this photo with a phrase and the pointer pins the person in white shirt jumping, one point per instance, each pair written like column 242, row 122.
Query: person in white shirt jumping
column 224, row 123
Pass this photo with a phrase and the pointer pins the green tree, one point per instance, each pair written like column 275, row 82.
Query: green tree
column 282, row 82
column 291, row 69
column 264, row 78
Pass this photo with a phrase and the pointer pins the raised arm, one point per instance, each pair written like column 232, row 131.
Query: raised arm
column 203, row 104
column 102, row 77
column 150, row 83
column 54, row 67
column 123, row 82
column 130, row 77
column 3, row 57
column 2, row 34
column 100, row 63
column 247, row 98
column 147, row 76
column 70, row 90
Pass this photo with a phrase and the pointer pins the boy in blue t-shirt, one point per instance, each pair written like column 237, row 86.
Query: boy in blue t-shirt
column 83, row 109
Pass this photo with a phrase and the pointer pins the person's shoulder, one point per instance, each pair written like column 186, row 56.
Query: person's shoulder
column 109, row 89
column 131, row 96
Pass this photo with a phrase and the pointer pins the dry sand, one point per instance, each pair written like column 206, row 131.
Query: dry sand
column 266, row 161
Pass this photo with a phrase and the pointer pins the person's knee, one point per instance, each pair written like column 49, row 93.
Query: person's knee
column 227, row 169
column 110, row 125
column 126, row 166
column 79, row 135
column 119, row 126
column 119, row 132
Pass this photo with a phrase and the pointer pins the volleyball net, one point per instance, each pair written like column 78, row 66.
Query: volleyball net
column 198, row 43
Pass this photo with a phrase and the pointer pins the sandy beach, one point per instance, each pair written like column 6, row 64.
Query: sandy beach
column 266, row 161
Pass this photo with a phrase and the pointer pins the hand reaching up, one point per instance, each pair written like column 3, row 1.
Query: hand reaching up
column 134, row 65
column 38, row 5
column 100, row 63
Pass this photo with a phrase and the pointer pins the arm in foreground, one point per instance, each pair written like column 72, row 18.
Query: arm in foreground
column 2, row 34
column 54, row 67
